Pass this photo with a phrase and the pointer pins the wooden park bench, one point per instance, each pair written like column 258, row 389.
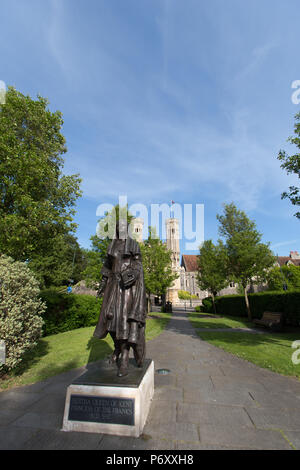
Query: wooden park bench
column 272, row 320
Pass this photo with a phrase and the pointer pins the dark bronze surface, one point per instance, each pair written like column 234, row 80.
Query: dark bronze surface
column 105, row 375
column 123, row 311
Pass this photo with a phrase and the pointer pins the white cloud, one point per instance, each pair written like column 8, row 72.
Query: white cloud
column 54, row 35
column 285, row 243
column 170, row 158
column 138, row 145
column 257, row 59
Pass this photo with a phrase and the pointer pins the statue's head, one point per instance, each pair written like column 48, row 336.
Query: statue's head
column 122, row 228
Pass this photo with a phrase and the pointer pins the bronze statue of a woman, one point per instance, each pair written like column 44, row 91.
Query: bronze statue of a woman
column 123, row 312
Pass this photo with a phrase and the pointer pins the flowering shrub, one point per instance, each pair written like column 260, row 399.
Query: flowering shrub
column 20, row 311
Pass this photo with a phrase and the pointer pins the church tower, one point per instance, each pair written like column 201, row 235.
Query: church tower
column 172, row 243
column 172, row 232
column 137, row 229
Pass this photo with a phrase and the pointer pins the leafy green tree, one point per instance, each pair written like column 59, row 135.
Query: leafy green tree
column 157, row 265
column 240, row 289
column 94, row 261
column 277, row 278
column 96, row 255
column 294, row 276
column 248, row 259
column 292, row 165
column 185, row 295
column 62, row 264
column 36, row 199
column 288, row 276
column 212, row 268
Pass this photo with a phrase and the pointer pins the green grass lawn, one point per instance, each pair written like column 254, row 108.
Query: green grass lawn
column 271, row 351
column 199, row 320
column 72, row 349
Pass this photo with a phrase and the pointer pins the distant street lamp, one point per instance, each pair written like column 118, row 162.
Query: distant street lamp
column 283, row 278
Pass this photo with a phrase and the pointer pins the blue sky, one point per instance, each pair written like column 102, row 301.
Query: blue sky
column 166, row 99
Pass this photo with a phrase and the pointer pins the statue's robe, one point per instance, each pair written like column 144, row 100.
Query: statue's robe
column 121, row 305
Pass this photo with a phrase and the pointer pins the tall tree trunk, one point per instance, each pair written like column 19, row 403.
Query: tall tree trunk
column 214, row 305
column 247, row 304
column 163, row 302
column 148, row 303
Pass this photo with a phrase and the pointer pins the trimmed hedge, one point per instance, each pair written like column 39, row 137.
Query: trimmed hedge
column 234, row 305
column 68, row 311
column 207, row 305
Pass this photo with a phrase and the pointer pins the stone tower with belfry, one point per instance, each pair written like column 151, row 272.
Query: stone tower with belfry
column 137, row 225
column 172, row 243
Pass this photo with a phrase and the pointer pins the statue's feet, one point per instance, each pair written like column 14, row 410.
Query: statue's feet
column 139, row 362
column 139, row 352
column 122, row 371
column 123, row 366
column 113, row 359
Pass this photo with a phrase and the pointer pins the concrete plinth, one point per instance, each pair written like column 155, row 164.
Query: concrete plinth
column 100, row 402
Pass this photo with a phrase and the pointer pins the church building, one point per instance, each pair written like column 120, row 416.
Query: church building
column 187, row 267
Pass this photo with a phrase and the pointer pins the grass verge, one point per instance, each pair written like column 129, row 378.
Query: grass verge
column 206, row 320
column 271, row 351
column 69, row 350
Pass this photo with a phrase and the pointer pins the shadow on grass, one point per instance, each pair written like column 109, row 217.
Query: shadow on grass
column 271, row 351
column 203, row 315
column 249, row 339
column 99, row 349
column 232, row 322
column 102, row 349
column 35, row 363
column 179, row 322
column 31, row 358
column 51, row 370
column 214, row 325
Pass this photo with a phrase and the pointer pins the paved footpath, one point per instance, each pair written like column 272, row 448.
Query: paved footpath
column 210, row 400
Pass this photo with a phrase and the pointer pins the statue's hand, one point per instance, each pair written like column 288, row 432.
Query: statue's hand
column 100, row 292
column 102, row 286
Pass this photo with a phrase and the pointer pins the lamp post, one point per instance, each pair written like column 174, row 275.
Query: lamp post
column 283, row 278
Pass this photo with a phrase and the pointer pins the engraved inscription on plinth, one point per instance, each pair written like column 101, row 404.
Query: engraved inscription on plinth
column 100, row 402
column 102, row 409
